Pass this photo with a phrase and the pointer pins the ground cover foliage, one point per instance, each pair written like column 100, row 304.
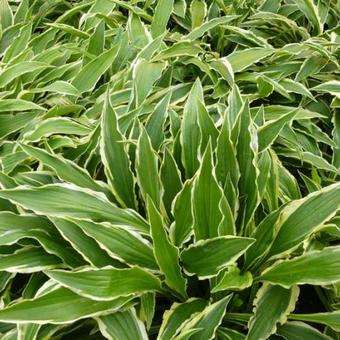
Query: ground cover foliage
column 169, row 169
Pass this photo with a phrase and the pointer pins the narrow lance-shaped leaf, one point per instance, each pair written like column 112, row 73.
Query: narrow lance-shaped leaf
column 303, row 217
column 122, row 325
column 161, row 17
column 63, row 200
column 65, row 169
column 58, row 306
column 207, row 321
column 120, row 243
column 83, row 244
column 268, row 132
column 331, row 319
column 107, row 284
column 310, row 10
column 316, row 268
column 177, row 315
column 295, row 330
column 115, row 157
column 145, row 74
column 29, row 260
column 87, row 78
column 147, row 169
column 247, row 159
column 190, row 132
column 207, row 258
column 206, row 199
column 171, row 180
column 166, row 254
column 182, row 227
column 276, row 303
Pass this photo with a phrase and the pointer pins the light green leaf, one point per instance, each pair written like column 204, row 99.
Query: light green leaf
column 8, row 105
column 57, row 125
column 161, row 17
column 182, row 228
column 240, row 60
column 28, row 260
column 310, row 10
column 198, row 11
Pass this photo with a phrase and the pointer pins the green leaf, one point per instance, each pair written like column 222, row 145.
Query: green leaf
column 177, row 315
column 64, row 168
column 28, row 260
column 62, row 200
column 298, row 330
column 198, row 11
column 145, row 74
column 161, row 17
column 17, row 70
column 206, row 199
column 332, row 87
column 207, row 321
column 209, row 25
column 171, row 180
column 115, row 157
column 120, row 243
column 190, row 133
column 8, row 105
column 166, row 254
column 310, row 10
column 246, row 152
column 331, row 319
column 147, row 169
column 182, row 228
column 122, row 325
column 303, row 217
column 57, row 125
column 106, row 284
column 268, row 132
column 232, row 279
column 305, row 269
column 241, row 60
column 224, row 68
column 276, row 303
column 60, row 305
column 219, row 252
column 89, row 75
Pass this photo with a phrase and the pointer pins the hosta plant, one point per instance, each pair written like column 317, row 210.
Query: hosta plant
column 169, row 169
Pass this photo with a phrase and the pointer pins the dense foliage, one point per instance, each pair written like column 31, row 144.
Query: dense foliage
column 170, row 169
